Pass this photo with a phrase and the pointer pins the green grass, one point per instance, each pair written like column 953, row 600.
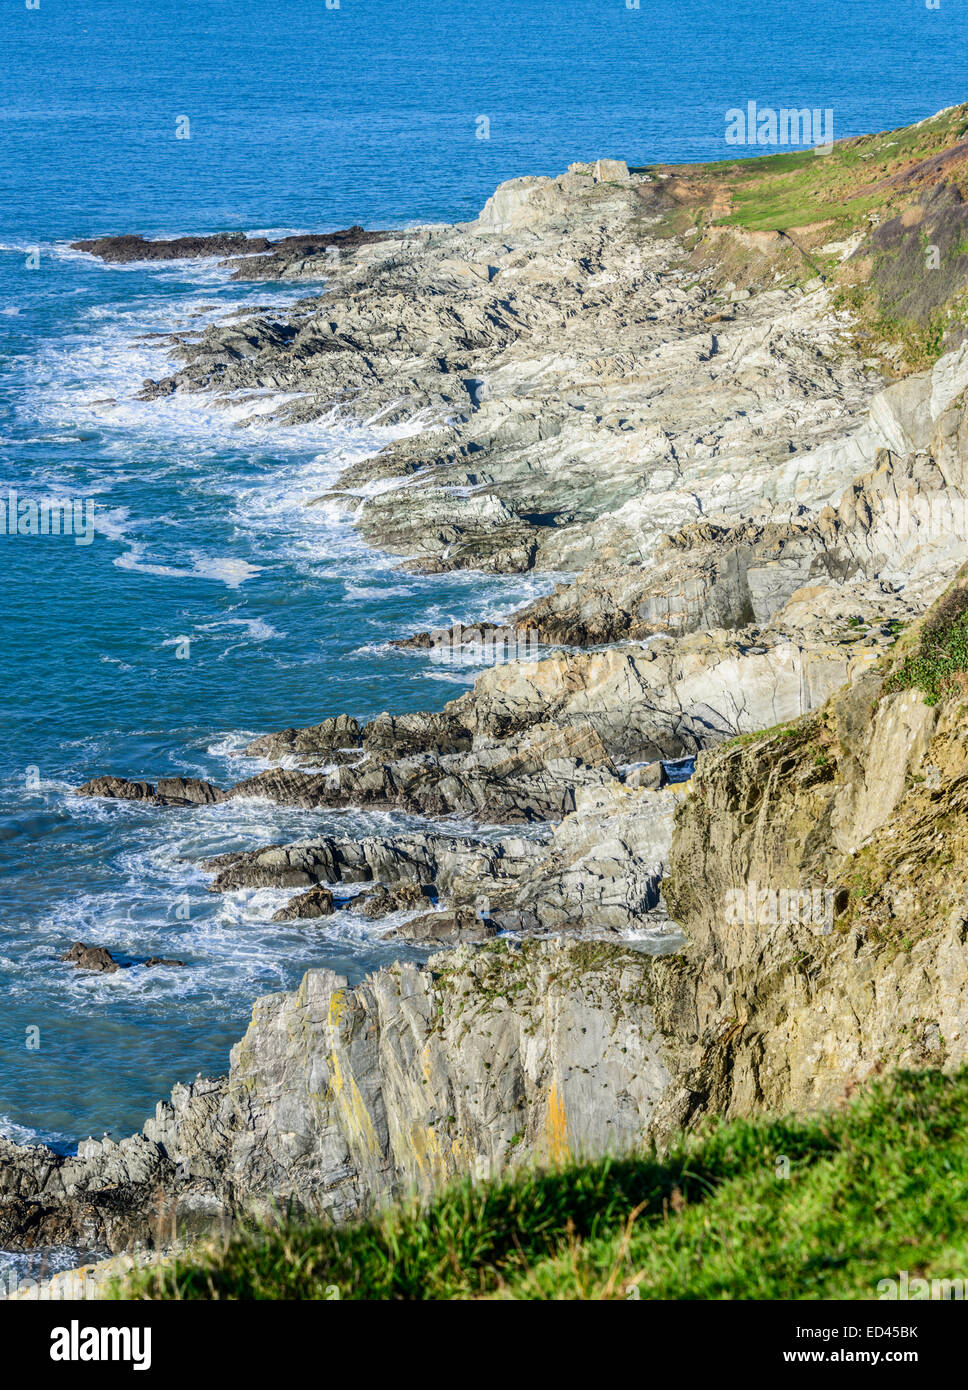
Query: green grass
column 794, row 188
column 784, row 1209
column 942, row 653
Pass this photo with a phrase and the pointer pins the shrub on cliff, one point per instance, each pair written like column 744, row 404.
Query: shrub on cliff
column 941, row 656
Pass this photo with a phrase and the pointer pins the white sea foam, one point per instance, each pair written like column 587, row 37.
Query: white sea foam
column 24, row 1134
column 231, row 572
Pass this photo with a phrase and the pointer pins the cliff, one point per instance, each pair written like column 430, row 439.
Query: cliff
column 863, row 803
column 761, row 517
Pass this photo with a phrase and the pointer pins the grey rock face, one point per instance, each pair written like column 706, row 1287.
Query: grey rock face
column 580, row 402
column 339, row 1099
column 458, row 928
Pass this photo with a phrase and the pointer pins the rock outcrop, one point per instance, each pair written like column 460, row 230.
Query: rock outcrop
column 298, row 255
column 339, row 1099
column 814, row 872
column 597, row 874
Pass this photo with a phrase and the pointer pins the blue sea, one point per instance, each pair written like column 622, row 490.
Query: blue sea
column 302, row 116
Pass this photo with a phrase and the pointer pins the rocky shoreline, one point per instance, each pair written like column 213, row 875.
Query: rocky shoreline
column 750, row 520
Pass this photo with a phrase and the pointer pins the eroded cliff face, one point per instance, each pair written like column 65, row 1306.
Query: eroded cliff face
column 814, row 871
column 789, row 1007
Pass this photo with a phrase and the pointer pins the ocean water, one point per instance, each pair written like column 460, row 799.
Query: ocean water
column 301, row 117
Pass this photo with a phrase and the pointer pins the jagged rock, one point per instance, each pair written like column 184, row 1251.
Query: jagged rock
column 580, row 406
column 191, row 791
column 754, row 518
column 598, row 873
column 119, row 788
column 325, row 740
column 486, row 1058
column 280, row 258
column 161, row 960
column 666, row 700
column 404, row 897
column 315, row 902
column 532, row 777
column 521, row 202
column 91, row 958
column 396, row 736
column 169, row 791
column 128, row 247
column 494, row 1056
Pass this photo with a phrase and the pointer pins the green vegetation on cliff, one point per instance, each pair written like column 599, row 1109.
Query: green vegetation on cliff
column 882, row 219
column 939, row 664
column 785, row 1209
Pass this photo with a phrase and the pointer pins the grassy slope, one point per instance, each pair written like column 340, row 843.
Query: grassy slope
column 903, row 192
column 795, row 189
column 877, row 1188
column 799, row 187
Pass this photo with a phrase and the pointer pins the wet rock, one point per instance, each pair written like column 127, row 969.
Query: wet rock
column 315, row 902
column 119, row 788
column 397, row 736
column 91, row 958
column 169, row 791
column 284, row 255
column 129, row 247
column 322, row 741
column 161, row 960
column 187, row 791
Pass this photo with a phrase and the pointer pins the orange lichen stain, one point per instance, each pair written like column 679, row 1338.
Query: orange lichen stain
column 556, row 1127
